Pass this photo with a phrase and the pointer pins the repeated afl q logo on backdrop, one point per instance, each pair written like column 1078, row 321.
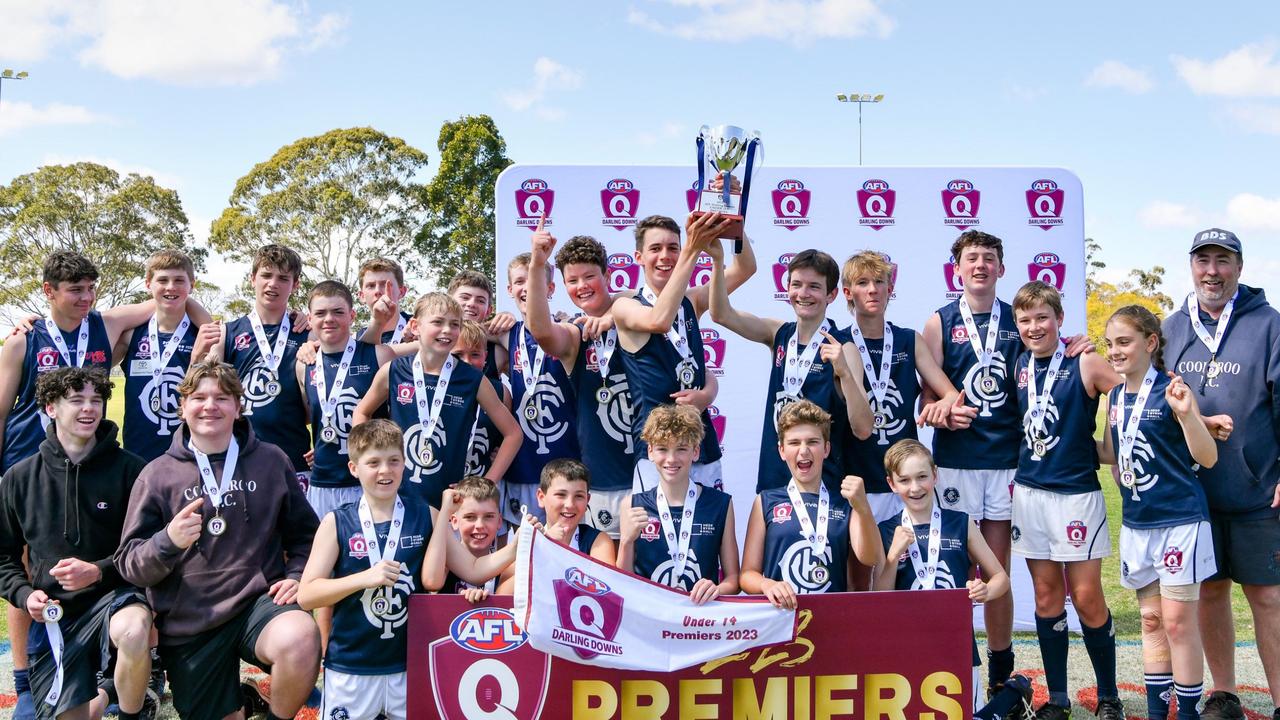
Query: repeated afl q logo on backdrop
column 1049, row 269
column 960, row 201
column 780, row 278
column 619, row 200
column 1044, row 202
column 485, row 668
column 875, row 201
column 533, row 200
column 624, row 273
column 791, row 204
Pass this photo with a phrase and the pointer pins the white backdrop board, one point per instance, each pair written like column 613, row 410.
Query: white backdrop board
column 912, row 214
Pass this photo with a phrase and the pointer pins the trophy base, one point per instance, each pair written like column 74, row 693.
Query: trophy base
column 734, row 231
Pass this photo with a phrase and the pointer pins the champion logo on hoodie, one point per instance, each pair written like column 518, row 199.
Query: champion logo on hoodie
column 103, row 506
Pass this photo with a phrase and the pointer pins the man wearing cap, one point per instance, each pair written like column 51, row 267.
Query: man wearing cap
column 1225, row 342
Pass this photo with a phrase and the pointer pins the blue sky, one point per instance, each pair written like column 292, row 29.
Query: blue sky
column 1170, row 115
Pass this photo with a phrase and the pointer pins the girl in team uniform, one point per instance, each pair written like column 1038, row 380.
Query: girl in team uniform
column 803, row 546
column 930, row 547
column 1157, row 438
column 679, row 533
column 1059, row 514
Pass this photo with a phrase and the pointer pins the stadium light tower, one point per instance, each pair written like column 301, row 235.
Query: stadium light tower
column 861, row 99
column 8, row 74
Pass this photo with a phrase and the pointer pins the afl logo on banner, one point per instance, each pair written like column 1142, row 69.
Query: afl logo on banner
column 713, row 352
column 533, row 200
column 780, row 277
column 960, row 203
column 1048, row 269
column 791, row 204
column 624, row 273
column 875, row 201
column 485, row 663
column 619, row 200
column 1044, row 202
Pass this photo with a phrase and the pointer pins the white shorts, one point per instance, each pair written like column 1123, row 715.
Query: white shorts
column 364, row 697
column 1179, row 555
column 984, row 494
column 327, row 499
column 517, row 495
column 604, row 509
column 646, row 475
column 1062, row 528
column 884, row 506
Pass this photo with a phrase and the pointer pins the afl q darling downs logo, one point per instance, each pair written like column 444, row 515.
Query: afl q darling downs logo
column 876, row 201
column 534, row 200
column 790, row 204
column 960, row 201
column 1044, row 202
column 484, row 668
column 624, row 273
column 780, row 278
column 1048, row 268
column 619, row 200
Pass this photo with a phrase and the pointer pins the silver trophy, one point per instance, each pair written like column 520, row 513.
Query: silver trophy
column 722, row 149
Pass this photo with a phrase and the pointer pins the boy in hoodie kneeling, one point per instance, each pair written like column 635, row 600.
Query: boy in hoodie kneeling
column 67, row 504
column 218, row 531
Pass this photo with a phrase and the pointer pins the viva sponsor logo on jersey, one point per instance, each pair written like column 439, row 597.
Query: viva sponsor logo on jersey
column 960, row 201
column 713, row 347
column 485, row 668
column 954, row 283
column 589, row 614
column 1044, row 202
column 875, row 202
column 1049, row 269
column 619, row 200
column 791, row 204
column 533, row 201
column 780, row 277
column 624, row 273
column 548, row 424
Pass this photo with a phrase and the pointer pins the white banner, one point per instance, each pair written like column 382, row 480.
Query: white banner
column 579, row 609
column 912, row 214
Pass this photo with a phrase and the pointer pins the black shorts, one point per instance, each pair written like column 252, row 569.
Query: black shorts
column 86, row 651
column 204, row 672
column 1248, row 551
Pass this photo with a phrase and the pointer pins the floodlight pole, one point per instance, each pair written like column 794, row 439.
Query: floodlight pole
column 9, row 75
column 860, row 99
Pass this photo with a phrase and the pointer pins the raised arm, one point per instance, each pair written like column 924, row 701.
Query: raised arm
column 761, row 330
column 631, row 316
column 559, row 339
column 996, row 582
column 1183, row 403
column 735, row 276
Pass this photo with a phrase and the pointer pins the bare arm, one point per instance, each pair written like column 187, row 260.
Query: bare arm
column 932, row 336
column 886, row 574
column 1183, row 403
column 12, row 354
column 433, row 569
column 603, row 550
column 996, row 581
column 374, row 399
column 502, row 419
column 753, row 578
column 729, row 568
column 864, row 535
column 737, row 274
column 317, row 588
column 122, row 318
column 761, row 330
column 1097, row 375
column 559, row 339
column 1106, row 448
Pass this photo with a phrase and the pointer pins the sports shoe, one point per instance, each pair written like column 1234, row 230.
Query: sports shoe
column 1049, row 711
column 150, row 706
column 1222, row 705
column 156, row 682
column 252, row 702
column 1110, row 709
column 1024, row 710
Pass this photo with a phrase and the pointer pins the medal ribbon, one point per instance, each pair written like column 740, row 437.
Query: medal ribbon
column 1039, row 402
column 271, row 354
column 55, row 646
column 531, row 374
column 798, row 363
column 429, row 412
column 216, row 491
column 817, row 539
column 929, row 571
column 329, row 399
column 160, row 360
column 1129, row 429
column 985, row 352
column 59, row 342
column 675, row 333
column 678, row 549
column 879, row 383
column 401, row 324
column 375, row 553
column 1210, row 341
column 605, row 348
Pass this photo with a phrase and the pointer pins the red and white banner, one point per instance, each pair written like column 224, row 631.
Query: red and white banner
column 575, row 607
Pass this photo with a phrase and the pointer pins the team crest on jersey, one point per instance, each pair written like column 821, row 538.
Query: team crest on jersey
column 616, row 415
column 781, row 514
column 959, row 336
column 805, row 569
column 357, row 547
column 875, row 202
column 892, row 424
column 1172, row 559
column 1044, row 202
column 982, row 392
column 242, row 341
column 548, row 425
column 159, row 400
column 1077, row 533
column 780, row 279
column 46, row 358
column 951, row 496
column 651, row 531
column 404, row 393
column 713, row 347
column 394, row 601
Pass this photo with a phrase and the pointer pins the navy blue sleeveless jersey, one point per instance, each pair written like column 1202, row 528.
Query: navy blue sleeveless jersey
column 991, row 442
column 865, row 458
column 151, row 407
column 486, row 438
column 586, row 538
column 604, row 429
column 552, row 433
column 280, row 420
column 1070, row 463
column 386, row 334
column 491, row 351
column 819, row 386
column 361, row 643
column 653, row 561
column 449, row 442
column 1169, row 493
column 24, row 429
column 454, row 584
column 953, row 557
column 651, row 375
column 329, row 466
column 788, row 556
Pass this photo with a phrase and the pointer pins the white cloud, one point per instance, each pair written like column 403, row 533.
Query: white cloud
column 1248, row 71
column 15, row 116
column 1165, row 214
column 182, row 42
column 164, row 179
column 549, row 77
column 1115, row 74
column 1254, row 212
column 1255, row 118
column 799, row 22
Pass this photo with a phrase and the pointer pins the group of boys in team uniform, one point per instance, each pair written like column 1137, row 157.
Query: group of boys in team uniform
column 286, row 481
